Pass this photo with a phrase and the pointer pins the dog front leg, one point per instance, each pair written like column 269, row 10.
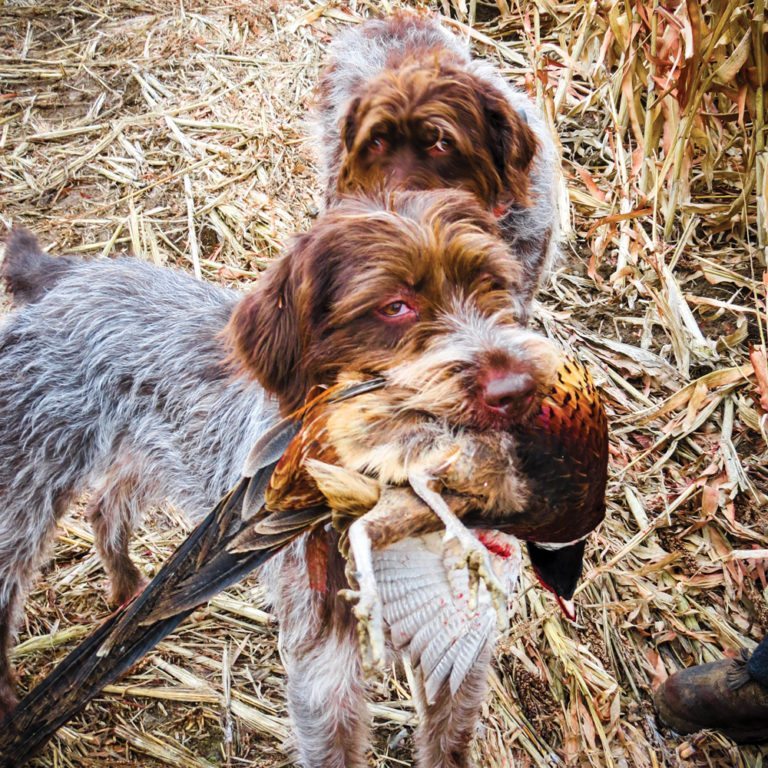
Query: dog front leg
column 326, row 701
column 447, row 726
column 318, row 646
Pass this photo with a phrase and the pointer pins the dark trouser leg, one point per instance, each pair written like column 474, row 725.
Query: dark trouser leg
column 757, row 666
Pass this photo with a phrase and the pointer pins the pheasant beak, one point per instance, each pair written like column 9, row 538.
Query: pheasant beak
column 559, row 571
column 568, row 607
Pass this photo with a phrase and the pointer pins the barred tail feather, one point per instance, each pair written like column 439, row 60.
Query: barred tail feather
column 130, row 632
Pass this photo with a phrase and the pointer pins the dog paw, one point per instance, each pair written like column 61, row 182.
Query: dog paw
column 125, row 588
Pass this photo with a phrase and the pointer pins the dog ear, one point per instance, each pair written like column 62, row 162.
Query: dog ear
column 266, row 333
column 349, row 124
column 511, row 142
column 349, row 127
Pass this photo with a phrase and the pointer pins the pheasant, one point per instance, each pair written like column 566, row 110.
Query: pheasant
column 543, row 482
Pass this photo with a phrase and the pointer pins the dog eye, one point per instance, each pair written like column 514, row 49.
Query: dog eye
column 397, row 310
column 487, row 281
column 378, row 145
column 441, row 147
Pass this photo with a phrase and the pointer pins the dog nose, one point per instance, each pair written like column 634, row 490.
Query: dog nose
column 508, row 392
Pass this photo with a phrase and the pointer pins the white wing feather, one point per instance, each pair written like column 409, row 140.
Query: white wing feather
column 425, row 600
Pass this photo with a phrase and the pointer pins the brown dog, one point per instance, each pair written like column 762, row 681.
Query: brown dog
column 420, row 290
column 402, row 104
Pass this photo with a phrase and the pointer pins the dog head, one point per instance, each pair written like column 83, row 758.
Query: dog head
column 416, row 286
column 431, row 123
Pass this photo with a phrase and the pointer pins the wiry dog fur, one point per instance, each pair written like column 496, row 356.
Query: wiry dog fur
column 402, row 103
column 117, row 378
column 112, row 381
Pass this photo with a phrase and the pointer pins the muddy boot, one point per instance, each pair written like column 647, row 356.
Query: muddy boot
column 730, row 696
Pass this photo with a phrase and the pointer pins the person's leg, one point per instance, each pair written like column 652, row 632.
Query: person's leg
column 757, row 666
column 730, row 696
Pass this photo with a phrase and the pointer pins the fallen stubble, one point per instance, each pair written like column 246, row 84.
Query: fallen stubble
column 174, row 129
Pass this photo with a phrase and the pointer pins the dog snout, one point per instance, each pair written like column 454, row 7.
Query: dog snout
column 398, row 177
column 507, row 392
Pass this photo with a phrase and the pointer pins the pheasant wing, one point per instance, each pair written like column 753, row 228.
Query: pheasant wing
column 425, row 601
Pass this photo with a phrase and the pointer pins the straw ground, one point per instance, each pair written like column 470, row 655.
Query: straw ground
column 173, row 129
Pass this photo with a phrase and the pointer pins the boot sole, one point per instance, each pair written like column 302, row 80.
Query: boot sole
column 740, row 735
